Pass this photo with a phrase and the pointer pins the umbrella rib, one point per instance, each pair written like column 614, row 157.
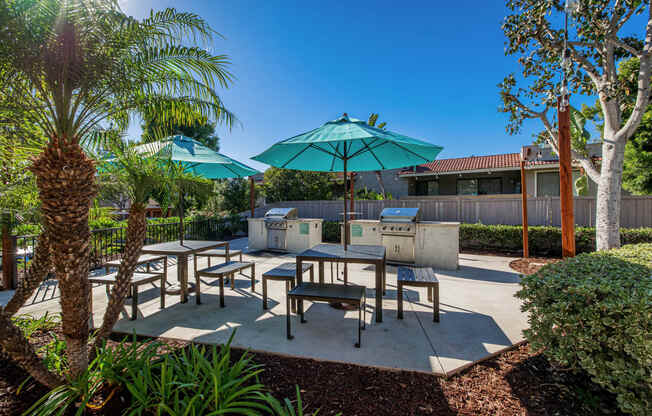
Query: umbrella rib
column 373, row 154
column 409, row 151
column 295, row 156
column 234, row 172
column 362, row 150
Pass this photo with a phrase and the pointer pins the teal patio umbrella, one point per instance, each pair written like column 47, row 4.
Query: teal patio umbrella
column 348, row 145
column 197, row 159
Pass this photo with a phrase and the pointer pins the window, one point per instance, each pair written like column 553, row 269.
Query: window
column 467, row 186
column 427, row 188
column 490, row 186
column 547, row 183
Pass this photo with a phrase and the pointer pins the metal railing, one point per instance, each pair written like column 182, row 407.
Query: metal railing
column 108, row 243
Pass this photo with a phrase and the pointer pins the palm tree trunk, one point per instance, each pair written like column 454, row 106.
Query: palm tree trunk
column 38, row 269
column 19, row 349
column 65, row 177
column 136, row 233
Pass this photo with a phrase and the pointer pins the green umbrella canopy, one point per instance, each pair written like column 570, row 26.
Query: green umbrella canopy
column 362, row 146
column 348, row 144
column 196, row 158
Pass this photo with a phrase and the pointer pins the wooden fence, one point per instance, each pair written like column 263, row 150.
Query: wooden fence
column 636, row 210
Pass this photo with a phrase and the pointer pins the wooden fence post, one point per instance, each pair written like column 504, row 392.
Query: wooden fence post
column 8, row 253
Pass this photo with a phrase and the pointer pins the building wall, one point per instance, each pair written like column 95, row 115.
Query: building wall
column 509, row 180
column 394, row 185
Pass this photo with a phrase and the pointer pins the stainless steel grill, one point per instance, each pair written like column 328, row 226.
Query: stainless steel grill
column 398, row 228
column 276, row 224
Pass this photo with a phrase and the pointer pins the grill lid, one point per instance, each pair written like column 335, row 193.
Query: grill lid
column 399, row 215
column 281, row 214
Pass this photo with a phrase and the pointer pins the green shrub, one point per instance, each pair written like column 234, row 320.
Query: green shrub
column 543, row 241
column 594, row 313
column 331, row 232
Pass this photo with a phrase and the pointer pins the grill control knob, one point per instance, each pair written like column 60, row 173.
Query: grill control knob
column 392, row 229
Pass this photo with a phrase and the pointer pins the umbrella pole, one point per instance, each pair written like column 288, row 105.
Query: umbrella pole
column 346, row 234
column 181, row 231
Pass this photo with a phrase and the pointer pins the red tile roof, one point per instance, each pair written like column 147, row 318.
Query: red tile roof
column 460, row 164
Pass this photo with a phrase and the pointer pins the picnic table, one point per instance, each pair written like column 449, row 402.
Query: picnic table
column 360, row 254
column 182, row 251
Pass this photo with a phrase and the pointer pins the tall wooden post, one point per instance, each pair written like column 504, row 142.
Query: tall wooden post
column 566, row 181
column 252, row 196
column 8, row 253
column 526, row 251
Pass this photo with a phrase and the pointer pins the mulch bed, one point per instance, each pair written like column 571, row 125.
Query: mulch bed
column 531, row 265
column 516, row 382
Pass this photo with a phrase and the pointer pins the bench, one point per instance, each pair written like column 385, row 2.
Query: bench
column 136, row 280
column 144, row 259
column 328, row 292
column 285, row 272
column 218, row 252
column 220, row 271
column 421, row 277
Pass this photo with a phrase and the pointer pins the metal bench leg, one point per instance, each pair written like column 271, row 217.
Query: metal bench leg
column 264, row 293
column 253, row 277
column 435, row 306
column 287, row 318
column 293, row 283
column 331, row 272
column 301, row 312
column 357, row 344
column 364, row 313
column 148, row 267
column 399, row 300
column 222, row 291
column 134, row 302
column 429, row 293
column 232, row 281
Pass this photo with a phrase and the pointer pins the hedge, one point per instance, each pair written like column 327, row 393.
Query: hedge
column 543, row 241
column 593, row 313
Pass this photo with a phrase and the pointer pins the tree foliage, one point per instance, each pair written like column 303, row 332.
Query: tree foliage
column 201, row 130
column 295, row 185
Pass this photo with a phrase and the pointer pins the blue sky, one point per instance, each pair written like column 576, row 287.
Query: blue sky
column 429, row 68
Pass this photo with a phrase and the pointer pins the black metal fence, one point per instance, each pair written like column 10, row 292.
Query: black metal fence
column 108, row 243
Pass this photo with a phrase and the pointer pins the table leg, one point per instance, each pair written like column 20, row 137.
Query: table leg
column 287, row 318
column 357, row 345
column 435, row 306
column 299, row 277
column 264, row 293
column 197, row 289
column 222, row 291
column 399, row 300
column 134, row 302
column 226, row 251
column 321, row 273
column 379, row 291
column 331, row 272
column 163, row 291
column 346, row 273
column 253, row 277
column 182, row 276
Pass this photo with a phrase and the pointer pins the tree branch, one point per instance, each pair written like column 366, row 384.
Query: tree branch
column 643, row 94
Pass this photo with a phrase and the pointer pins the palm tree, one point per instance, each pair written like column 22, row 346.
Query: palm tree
column 80, row 69
column 373, row 118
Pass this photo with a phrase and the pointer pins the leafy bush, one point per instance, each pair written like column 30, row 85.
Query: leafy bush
column 26, row 229
column 331, row 232
column 594, row 313
column 543, row 241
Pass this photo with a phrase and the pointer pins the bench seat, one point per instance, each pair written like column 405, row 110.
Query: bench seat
column 325, row 292
column 137, row 279
column 221, row 271
column 285, row 272
column 418, row 276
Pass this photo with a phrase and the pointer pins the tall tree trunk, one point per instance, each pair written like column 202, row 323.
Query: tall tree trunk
column 19, row 349
column 379, row 178
column 136, row 233
column 38, row 269
column 608, row 200
column 65, row 177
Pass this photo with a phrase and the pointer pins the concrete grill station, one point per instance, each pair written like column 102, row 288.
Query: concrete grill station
column 281, row 230
column 408, row 240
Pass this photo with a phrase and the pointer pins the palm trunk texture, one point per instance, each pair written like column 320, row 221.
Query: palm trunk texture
column 65, row 177
column 38, row 269
column 136, row 233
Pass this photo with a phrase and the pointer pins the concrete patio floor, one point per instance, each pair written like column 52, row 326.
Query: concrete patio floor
column 479, row 316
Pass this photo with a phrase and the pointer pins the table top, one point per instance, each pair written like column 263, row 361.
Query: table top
column 143, row 259
column 337, row 252
column 176, row 248
column 328, row 291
